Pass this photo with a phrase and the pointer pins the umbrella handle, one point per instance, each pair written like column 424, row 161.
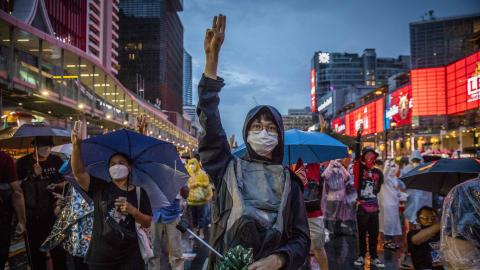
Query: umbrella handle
column 36, row 154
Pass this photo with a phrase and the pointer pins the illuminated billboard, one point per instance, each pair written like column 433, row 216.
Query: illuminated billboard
column 338, row 125
column 429, row 91
column 312, row 91
column 399, row 108
column 463, row 84
column 370, row 115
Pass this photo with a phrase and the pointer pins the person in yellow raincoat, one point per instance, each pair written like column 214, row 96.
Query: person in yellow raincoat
column 199, row 196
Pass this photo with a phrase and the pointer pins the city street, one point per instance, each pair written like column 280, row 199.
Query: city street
column 291, row 134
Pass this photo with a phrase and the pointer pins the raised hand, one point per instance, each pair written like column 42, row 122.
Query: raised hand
column 77, row 133
column 360, row 130
column 214, row 38
column 142, row 124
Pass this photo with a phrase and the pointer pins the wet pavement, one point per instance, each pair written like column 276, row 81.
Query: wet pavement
column 341, row 252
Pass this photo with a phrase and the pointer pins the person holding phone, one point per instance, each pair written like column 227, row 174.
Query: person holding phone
column 114, row 243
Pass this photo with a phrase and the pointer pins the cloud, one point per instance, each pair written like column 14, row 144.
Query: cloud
column 269, row 43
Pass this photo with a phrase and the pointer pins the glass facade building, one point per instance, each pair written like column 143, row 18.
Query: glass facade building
column 438, row 42
column 335, row 72
column 187, row 79
column 151, row 51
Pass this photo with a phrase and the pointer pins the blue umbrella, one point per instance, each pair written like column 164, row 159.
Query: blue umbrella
column 156, row 165
column 311, row 147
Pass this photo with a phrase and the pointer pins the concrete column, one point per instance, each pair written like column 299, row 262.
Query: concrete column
column 39, row 66
column 62, row 73
column 93, row 89
column 79, row 72
column 11, row 61
column 116, row 102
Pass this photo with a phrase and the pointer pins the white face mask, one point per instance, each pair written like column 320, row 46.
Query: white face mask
column 118, row 171
column 262, row 142
column 44, row 151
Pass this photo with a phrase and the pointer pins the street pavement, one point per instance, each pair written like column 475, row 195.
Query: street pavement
column 341, row 252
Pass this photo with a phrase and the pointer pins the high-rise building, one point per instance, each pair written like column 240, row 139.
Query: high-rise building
column 437, row 42
column 300, row 119
column 187, row 79
column 58, row 60
column 90, row 25
column 151, row 52
column 336, row 71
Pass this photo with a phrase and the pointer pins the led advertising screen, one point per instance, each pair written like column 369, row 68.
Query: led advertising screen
column 399, row 108
column 338, row 125
column 370, row 115
column 463, row 84
column 312, row 91
column 428, row 91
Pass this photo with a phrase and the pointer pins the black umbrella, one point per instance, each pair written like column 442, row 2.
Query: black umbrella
column 441, row 175
column 23, row 136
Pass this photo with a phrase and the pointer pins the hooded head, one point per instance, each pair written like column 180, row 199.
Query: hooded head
column 369, row 155
column 416, row 158
column 263, row 142
column 193, row 166
column 391, row 169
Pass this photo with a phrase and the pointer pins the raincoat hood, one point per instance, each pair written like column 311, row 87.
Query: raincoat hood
column 193, row 161
column 416, row 154
column 277, row 154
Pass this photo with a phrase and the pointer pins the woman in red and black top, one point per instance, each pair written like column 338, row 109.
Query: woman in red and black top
column 368, row 181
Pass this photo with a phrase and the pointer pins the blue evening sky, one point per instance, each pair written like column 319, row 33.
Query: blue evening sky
column 269, row 43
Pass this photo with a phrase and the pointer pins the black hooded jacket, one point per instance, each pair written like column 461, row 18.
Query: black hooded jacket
column 215, row 155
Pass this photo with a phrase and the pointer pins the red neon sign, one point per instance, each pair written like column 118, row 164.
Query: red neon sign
column 463, row 84
column 400, row 106
column 312, row 91
column 338, row 125
column 428, row 91
column 370, row 115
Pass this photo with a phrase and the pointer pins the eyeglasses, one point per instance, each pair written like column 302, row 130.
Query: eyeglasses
column 430, row 218
column 270, row 128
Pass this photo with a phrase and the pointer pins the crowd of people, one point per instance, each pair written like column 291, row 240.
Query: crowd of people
column 285, row 215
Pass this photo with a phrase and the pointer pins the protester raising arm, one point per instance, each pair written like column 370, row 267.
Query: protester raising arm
column 213, row 146
column 358, row 157
column 81, row 175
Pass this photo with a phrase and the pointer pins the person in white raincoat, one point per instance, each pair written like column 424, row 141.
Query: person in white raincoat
column 416, row 198
column 389, row 202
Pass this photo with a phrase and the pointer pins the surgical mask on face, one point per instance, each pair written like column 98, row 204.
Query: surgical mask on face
column 118, row 171
column 261, row 142
column 44, row 151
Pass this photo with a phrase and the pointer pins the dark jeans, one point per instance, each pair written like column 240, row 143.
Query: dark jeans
column 76, row 263
column 367, row 222
column 6, row 214
column 198, row 215
column 38, row 229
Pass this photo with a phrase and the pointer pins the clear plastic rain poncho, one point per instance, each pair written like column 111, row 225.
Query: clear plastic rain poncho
column 389, row 201
column 460, row 235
